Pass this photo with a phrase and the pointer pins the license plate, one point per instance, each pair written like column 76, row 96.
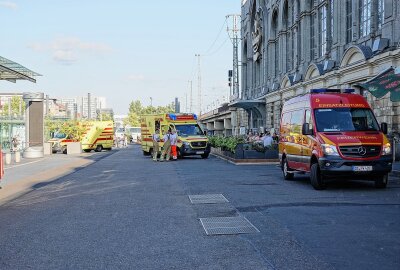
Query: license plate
column 200, row 152
column 362, row 168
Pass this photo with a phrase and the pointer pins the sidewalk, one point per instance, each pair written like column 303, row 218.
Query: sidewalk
column 22, row 177
column 395, row 169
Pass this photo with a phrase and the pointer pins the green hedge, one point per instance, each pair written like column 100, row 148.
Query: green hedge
column 225, row 143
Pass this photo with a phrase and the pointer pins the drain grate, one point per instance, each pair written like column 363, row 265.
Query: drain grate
column 227, row 225
column 207, row 198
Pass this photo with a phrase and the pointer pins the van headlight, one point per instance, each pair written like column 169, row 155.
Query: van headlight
column 329, row 150
column 186, row 143
column 387, row 149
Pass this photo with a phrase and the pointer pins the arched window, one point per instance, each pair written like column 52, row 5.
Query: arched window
column 381, row 13
column 365, row 17
column 285, row 25
column 292, row 38
column 244, row 66
column 331, row 10
column 322, row 31
column 349, row 21
column 312, row 36
column 299, row 29
column 274, row 28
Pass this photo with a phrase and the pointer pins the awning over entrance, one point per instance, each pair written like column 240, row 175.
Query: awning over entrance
column 387, row 81
column 12, row 71
column 255, row 109
column 246, row 104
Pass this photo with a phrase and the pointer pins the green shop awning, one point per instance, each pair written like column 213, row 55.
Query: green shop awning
column 387, row 81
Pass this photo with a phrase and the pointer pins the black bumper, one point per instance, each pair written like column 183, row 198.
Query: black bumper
column 336, row 166
column 186, row 150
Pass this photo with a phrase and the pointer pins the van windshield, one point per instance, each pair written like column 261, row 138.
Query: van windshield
column 134, row 130
column 345, row 119
column 188, row 130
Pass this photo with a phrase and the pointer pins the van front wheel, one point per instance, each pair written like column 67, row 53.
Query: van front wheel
column 285, row 169
column 205, row 155
column 381, row 181
column 316, row 178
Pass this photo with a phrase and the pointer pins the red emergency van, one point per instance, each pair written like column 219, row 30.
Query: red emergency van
column 333, row 133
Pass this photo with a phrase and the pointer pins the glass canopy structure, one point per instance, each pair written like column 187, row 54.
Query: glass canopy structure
column 12, row 71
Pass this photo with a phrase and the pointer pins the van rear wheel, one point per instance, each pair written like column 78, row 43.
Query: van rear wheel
column 381, row 181
column 316, row 178
column 99, row 148
column 285, row 169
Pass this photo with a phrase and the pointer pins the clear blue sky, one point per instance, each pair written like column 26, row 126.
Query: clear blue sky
column 123, row 50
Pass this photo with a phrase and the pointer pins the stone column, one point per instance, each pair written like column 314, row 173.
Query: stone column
column 34, row 125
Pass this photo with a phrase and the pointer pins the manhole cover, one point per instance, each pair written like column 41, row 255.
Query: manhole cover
column 207, row 198
column 227, row 225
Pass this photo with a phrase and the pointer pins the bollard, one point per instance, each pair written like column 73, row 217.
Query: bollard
column 17, row 157
column 1, row 165
column 8, row 158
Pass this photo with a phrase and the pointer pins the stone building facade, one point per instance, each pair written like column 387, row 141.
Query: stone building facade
column 290, row 47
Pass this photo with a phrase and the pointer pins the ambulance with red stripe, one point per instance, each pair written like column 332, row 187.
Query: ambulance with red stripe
column 333, row 133
column 191, row 138
column 98, row 135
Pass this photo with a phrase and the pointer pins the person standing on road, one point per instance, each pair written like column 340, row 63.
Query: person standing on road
column 167, row 147
column 156, row 140
column 174, row 140
column 125, row 140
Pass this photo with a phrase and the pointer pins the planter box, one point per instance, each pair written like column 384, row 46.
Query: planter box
column 47, row 149
column 74, row 148
column 271, row 154
column 253, row 154
column 245, row 154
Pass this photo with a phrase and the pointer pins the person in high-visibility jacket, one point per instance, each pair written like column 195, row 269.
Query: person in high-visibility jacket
column 174, row 141
column 156, row 140
column 166, row 147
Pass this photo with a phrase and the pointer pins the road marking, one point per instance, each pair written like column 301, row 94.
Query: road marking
column 19, row 165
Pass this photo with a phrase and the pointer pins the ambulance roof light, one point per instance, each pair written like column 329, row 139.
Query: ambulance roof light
column 172, row 116
column 348, row 91
column 324, row 90
column 194, row 116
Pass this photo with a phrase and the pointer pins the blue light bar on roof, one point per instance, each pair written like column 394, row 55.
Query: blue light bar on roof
column 324, row 90
column 194, row 116
column 320, row 90
column 172, row 116
column 348, row 91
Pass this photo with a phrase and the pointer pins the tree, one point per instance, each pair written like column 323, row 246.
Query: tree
column 105, row 117
column 17, row 106
column 51, row 126
column 136, row 110
column 73, row 129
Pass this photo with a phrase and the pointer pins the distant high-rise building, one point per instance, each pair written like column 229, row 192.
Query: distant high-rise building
column 177, row 106
column 79, row 107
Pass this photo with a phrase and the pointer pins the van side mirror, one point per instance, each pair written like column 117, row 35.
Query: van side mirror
column 306, row 129
column 384, row 128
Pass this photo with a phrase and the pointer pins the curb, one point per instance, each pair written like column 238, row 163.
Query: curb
column 395, row 173
column 242, row 162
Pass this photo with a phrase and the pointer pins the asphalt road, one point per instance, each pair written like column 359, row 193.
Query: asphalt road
column 128, row 212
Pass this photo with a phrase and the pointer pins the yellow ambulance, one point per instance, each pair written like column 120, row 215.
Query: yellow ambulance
column 191, row 138
column 98, row 135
